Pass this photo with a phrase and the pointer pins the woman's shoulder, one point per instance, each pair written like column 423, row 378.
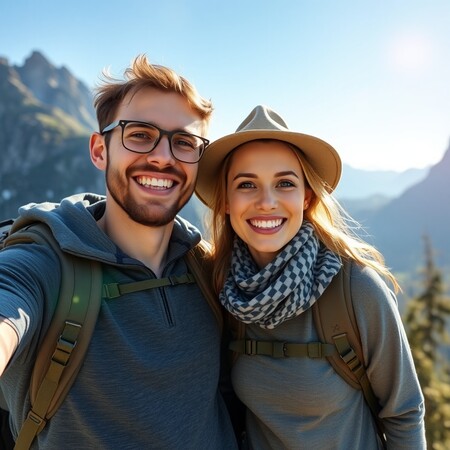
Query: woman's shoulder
column 371, row 296
column 366, row 278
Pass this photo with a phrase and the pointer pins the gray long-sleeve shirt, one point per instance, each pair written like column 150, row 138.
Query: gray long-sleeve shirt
column 150, row 377
column 302, row 404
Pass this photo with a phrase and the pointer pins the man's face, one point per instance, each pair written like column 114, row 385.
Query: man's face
column 151, row 188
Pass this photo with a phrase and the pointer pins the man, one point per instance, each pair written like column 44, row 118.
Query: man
column 150, row 376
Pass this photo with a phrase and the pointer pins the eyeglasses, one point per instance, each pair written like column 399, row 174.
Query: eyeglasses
column 143, row 137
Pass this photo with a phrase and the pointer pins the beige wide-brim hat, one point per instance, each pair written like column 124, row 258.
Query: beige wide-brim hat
column 263, row 123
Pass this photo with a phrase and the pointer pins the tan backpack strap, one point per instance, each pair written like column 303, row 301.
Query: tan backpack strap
column 279, row 349
column 200, row 266
column 334, row 317
column 336, row 323
column 63, row 348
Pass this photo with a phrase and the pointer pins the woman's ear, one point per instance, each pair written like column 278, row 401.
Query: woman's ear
column 97, row 147
column 227, row 208
column 307, row 199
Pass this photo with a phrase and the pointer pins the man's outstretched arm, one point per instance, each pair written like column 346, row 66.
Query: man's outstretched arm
column 8, row 343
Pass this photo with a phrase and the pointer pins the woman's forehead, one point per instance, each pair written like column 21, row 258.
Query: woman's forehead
column 261, row 152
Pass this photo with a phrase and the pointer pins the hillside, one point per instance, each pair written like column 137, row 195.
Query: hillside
column 44, row 142
column 423, row 209
column 376, row 183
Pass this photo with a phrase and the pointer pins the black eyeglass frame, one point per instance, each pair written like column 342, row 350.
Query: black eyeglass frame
column 123, row 123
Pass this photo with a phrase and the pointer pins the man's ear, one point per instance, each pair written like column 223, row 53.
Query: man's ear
column 97, row 147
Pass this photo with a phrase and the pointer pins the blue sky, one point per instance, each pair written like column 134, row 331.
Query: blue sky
column 371, row 78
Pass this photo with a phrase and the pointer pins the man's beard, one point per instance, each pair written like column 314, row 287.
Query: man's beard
column 151, row 213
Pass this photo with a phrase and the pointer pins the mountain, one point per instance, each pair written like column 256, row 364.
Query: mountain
column 399, row 226
column 44, row 147
column 46, row 117
column 58, row 88
column 361, row 207
column 357, row 184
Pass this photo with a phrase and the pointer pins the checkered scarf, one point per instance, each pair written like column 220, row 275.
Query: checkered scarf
column 287, row 286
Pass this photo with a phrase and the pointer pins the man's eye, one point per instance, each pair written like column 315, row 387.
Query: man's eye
column 183, row 142
column 139, row 135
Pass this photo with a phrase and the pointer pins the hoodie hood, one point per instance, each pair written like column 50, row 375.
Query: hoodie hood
column 74, row 224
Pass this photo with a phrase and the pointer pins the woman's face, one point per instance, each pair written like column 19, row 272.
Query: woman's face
column 266, row 196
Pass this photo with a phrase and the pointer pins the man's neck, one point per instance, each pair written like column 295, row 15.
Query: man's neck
column 146, row 244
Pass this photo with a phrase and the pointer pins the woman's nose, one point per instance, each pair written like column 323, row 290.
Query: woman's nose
column 267, row 200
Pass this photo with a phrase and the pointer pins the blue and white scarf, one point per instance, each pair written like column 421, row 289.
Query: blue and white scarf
column 286, row 287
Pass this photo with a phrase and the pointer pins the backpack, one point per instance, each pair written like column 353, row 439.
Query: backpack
column 340, row 341
column 61, row 351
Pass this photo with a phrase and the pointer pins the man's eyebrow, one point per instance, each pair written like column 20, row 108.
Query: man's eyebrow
column 277, row 175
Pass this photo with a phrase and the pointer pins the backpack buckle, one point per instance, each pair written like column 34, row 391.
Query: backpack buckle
column 67, row 341
column 275, row 349
column 251, row 347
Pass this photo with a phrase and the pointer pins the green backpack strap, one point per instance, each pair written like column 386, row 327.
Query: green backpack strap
column 335, row 322
column 70, row 329
column 200, row 265
column 200, row 272
column 115, row 290
column 62, row 350
column 200, row 269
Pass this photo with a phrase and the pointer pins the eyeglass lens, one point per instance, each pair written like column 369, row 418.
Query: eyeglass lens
column 142, row 138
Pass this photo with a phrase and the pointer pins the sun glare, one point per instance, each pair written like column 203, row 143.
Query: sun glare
column 411, row 52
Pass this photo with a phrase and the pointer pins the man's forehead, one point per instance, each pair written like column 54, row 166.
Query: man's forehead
column 165, row 109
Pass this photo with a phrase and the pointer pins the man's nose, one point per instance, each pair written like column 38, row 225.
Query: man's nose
column 162, row 153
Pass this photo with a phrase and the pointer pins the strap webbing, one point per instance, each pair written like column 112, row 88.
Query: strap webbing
column 201, row 267
column 35, row 420
column 114, row 290
column 278, row 349
column 73, row 323
column 80, row 310
column 350, row 358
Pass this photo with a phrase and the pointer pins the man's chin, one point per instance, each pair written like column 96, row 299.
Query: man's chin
column 154, row 215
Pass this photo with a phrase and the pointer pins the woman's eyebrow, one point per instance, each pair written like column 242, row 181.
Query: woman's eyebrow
column 244, row 175
column 276, row 175
column 286, row 173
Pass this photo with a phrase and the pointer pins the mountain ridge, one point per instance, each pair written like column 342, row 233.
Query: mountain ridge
column 398, row 228
column 58, row 88
column 44, row 147
column 44, row 136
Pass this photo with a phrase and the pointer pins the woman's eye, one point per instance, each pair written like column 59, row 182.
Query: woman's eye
column 286, row 183
column 245, row 185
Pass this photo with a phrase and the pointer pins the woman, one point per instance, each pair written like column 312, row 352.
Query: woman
column 279, row 239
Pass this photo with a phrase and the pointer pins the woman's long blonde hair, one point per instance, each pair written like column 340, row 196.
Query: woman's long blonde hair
column 333, row 225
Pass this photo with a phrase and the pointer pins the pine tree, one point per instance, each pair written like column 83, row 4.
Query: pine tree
column 426, row 321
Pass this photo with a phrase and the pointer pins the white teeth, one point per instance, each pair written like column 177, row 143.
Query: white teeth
column 266, row 223
column 155, row 182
